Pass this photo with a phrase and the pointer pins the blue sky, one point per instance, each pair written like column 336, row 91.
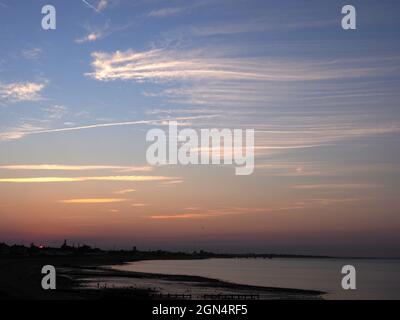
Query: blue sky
column 323, row 102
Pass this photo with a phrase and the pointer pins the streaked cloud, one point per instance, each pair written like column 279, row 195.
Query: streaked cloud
column 197, row 213
column 32, row 54
column 179, row 216
column 223, row 212
column 316, row 131
column 164, row 65
column 282, row 168
column 139, row 205
column 183, row 111
column 166, row 12
column 56, row 111
column 21, row 91
column 92, row 201
column 331, row 201
column 93, row 36
column 60, row 167
column 316, row 168
column 18, row 132
column 84, row 179
column 172, row 182
column 124, row 191
column 187, row 6
column 94, row 33
column 255, row 25
column 337, row 186
column 98, row 32
column 102, row 4
column 246, row 84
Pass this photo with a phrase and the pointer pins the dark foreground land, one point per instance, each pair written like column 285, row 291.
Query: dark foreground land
column 81, row 278
column 82, row 275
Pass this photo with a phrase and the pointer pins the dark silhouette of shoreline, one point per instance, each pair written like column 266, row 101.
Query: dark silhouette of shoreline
column 77, row 266
column 20, row 275
column 66, row 250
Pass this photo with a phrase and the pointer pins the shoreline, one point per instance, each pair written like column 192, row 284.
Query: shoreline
column 193, row 286
column 90, row 277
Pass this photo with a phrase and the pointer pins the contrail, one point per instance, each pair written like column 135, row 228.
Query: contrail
column 89, row 5
column 116, row 124
column 104, row 125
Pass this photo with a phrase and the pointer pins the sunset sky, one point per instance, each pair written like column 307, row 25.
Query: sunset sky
column 76, row 104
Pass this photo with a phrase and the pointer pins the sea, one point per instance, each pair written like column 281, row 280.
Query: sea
column 374, row 278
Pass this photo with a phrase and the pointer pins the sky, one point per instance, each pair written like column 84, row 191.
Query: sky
column 76, row 104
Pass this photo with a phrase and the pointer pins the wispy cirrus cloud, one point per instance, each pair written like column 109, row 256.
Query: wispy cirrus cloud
column 85, row 179
column 331, row 201
column 209, row 213
column 60, row 167
column 19, row 132
column 180, row 216
column 32, row 53
column 166, row 12
column 229, row 81
column 92, row 200
column 94, row 33
column 187, row 6
column 257, row 24
column 138, row 204
column 188, row 111
column 317, row 132
column 98, row 32
column 336, row 186
column 197, row 213
column 102, row 4
column 172, row 182
column 56, row 111
column 90, row 37
column 165, row 65
column 315, row 168
column 124, row 191
column 21, row 91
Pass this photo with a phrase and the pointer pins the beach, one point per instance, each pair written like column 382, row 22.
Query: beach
column 82, row 278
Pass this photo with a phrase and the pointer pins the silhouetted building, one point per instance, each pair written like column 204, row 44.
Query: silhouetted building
column 4, row 249
column 19, row 250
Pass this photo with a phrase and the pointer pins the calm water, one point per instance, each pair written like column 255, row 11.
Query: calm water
column 376, row 279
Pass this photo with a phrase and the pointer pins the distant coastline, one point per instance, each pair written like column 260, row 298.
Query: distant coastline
column 66, row 250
